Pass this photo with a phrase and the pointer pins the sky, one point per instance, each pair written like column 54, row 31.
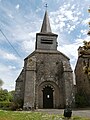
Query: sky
column 20, row 20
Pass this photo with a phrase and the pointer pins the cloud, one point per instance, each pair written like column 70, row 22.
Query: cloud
column 38, row 10
column 66, row 18
column 21, row 31
column 17, row 6
column 84, row 32
column 87, row 38
column 11, row 16
column 8, row 75
column 71, row 50
column 12, row 67
column 85, row 22
column 28, row 46
column 8, row 56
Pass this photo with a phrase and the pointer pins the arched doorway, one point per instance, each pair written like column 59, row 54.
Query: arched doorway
column 47, row 97
column 49, row 88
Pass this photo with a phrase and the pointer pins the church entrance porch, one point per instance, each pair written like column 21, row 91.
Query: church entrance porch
column 47, row 97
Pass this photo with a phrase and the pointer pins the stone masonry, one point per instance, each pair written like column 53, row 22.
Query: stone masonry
column 82, row 73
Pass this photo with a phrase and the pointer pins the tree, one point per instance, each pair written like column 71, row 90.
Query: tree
column 4, row 95
column 11, row 95
column 1, row 83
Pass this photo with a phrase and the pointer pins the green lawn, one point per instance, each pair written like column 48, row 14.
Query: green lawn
column 18, row 115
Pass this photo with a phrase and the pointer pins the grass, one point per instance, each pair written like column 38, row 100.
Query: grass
column 18, row 115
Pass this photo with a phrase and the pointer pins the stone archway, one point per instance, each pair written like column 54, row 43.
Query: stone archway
column 47, row 97
column 56, row 101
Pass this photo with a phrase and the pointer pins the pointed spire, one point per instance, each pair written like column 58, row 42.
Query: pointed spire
column 46, row 24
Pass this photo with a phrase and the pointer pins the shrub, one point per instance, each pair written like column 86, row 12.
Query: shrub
column 17, row 105
column 3, row 95
column 14, row 106
column 81, row 100
column 5, row 105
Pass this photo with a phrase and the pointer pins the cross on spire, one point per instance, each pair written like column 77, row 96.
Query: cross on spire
column 46, row 28
column 46, row 6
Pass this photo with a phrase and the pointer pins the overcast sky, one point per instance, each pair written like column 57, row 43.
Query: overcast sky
column 20, row 20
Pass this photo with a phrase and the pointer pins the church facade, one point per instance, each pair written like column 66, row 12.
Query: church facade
column 46, row 80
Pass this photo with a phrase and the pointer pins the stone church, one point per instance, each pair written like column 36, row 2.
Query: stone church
column 46, row 80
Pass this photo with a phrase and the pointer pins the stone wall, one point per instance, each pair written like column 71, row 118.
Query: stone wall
column 30, row 79
column 82, row 80
column 19, row 88
column 46, row 68
column 54, row 68
column 46, row 41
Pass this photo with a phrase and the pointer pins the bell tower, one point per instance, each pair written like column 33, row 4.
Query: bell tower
column 46, row 40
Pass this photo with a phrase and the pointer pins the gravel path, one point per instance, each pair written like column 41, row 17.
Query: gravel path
column 82, row 113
